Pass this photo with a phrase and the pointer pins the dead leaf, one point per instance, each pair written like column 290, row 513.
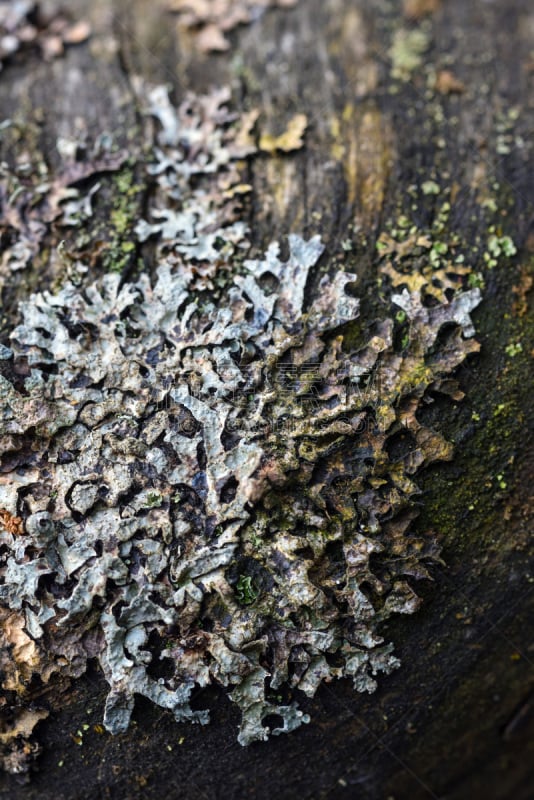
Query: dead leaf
column 22, row 24
column 11, row 523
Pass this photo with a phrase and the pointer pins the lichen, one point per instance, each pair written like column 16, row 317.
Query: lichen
column 254, row 417
column 407, row 51
column 24, row 26
column 222, row 486
column 211, row 22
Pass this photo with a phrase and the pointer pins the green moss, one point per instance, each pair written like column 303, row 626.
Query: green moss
column 486, row 459
column 513, row 349
column 353, row 336
column 153, row 500
column 123, row 216
column 246, row 592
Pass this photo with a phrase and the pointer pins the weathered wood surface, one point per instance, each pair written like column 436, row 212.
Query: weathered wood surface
column 456, row 721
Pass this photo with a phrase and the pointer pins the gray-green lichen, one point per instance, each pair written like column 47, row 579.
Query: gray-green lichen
column 136, row 393
column 196, row 492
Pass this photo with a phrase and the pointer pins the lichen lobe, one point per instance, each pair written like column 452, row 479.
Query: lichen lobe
column 213, row 488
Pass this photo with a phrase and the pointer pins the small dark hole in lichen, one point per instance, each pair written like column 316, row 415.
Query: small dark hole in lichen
column 334, row 660
column 44, row 333
column 184, row 422
column 429, row 301
column 230, row 438
column 201, row 456
column 370, row 593
column 161, row 666
column 49, row 369
column 272, row 721
column 205, row 698
column 268, row 283
column 118, row 607
column 331, row 569
column 400, row 445
column 441, row 341
column 229, row 490
column 305, row 552
column 76, row 329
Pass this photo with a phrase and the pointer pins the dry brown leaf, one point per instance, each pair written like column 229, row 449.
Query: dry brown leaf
column 23, row 24
column 11, row 523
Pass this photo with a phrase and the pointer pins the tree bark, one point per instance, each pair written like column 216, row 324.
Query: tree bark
column 456, row 720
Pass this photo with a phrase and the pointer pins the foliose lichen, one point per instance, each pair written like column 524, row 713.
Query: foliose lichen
column 220, row 489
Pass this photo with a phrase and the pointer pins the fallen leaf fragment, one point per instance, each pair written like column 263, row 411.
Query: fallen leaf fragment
column 11, row 523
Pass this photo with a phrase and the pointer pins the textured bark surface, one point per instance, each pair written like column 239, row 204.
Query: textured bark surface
column 456, row 721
